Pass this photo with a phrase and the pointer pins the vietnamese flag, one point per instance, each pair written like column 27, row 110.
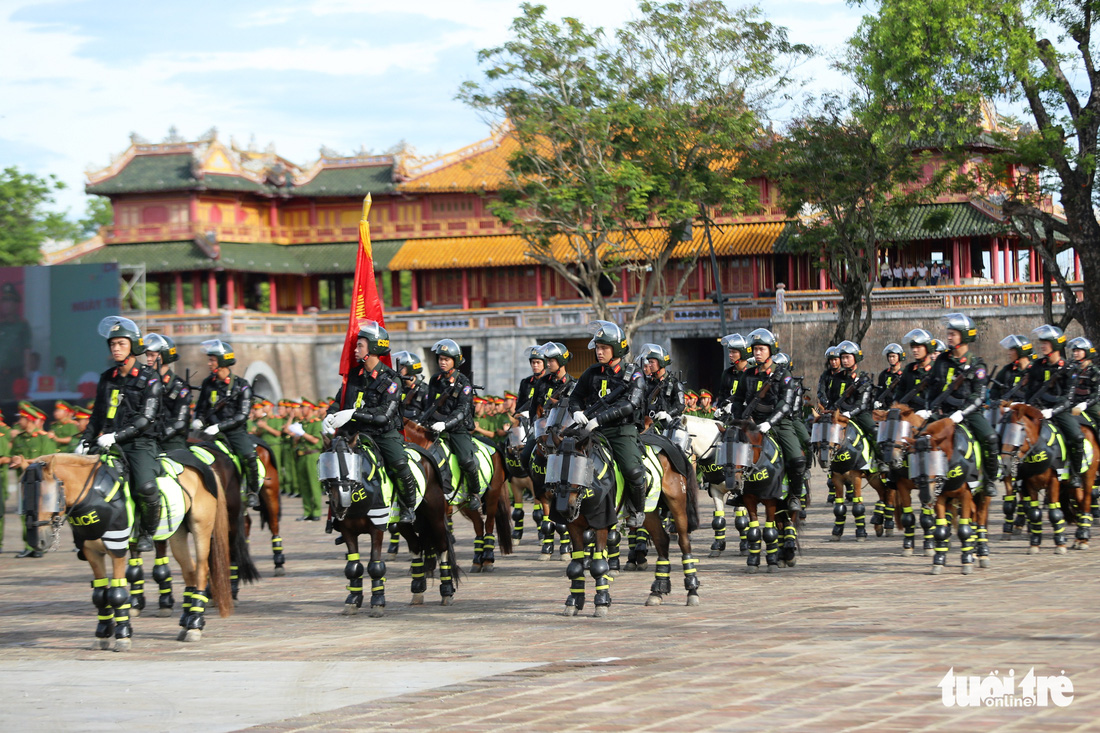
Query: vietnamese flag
column 365, row 303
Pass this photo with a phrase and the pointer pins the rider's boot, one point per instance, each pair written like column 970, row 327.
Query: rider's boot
column 1076, row 456
column 406, row 494
column 635, row 492
column 149, row 507
column 473, row 485
column 252, row 481
column 991, row 467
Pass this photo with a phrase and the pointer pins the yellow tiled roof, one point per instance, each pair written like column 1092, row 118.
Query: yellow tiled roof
column 478, row 167
column 449, row 253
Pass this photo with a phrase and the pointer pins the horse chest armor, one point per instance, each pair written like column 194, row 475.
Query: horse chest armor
column 103, row 508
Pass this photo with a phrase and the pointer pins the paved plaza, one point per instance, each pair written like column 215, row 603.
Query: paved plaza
column 854, row 638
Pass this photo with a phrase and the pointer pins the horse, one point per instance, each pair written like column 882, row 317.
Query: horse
column 494, row 503
column 541, row 513
column 706, row 434
column 585, row 488
column 89, row 493
column 946, row 463
column 755, row 474
column 1034, row 453
column 355, row 486
column 895, row 425
column 519, row 478
column 847, row 457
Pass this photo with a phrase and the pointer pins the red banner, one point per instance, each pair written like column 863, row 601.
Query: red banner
column 365, row 303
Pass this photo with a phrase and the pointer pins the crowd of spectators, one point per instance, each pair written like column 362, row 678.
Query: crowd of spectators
column 910, row 275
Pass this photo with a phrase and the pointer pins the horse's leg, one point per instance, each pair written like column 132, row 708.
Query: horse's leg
column 1057, row 516
column 858, row 509
column 840, row 509
column 135, row 577
column 565, row 546
column 353, row 568
column 395, row 542
column 771, row 535
column 416, row 568
column 105, row 616
column 599, row 570
column 927, row 522
column 546, row 528
column 517, row 508
column 479, row 535
column 908, row 520
column 942, row 535
column 662, row 582
column 199, row 598
column 888, row 494
column 119, row 598
column 613, row 540
column 493, row 498
column 539, row 510
column 678, row 507
column 718, row 520
column 162, row 574
column 966, row 532
column 376, row 569
column 1009, row 505
column 981, row 518
column 753, row 534
column 1084, row 512
column 575, row 571
column 269, row 505
column 1035, row 516
column 878, row 514
column 588, row 537
column 178, row 543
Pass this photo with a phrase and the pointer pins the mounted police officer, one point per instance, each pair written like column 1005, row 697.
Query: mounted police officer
column 912, row 388
column 664, row 393
column 784, row 361
column 527, row 385
column 175, row 409
column 767, row 395
column 1050, row 387
column 1012, row 374
column 127, row 406
column 895, row 355
column 850, row 390
column 371, row 405
column 225, row 401
column 737, row 349
column 957, row 390
column 451, row 393
column 555, row 380
column 610, row 397
column 1086, row 391
column 414, row 390
column 832, row 366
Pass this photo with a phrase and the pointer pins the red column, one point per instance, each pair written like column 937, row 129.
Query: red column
column 1032, row 266
column 465, row 291
column 240, row 291
column 700, row 279
column 626, row 286
column 995, row 260
column 956, row 265
column 1076, row 265
column 194, row 207
column 1009, row 276
column 212, row 291
column 299, row 286
column 231, row 289
column 273, row 294
column 538, row 285
column 395, row 289
column 414, row 296
column 273, row 215
column 312, row 213
column 820, row 276
column 196, row 290
column 179, row 293
column 755, row 278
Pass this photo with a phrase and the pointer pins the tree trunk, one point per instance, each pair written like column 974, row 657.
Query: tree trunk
column 1088, row 307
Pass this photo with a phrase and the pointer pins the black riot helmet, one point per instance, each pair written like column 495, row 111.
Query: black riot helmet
column 162, row 345
column 220, row 350
column 894, row 349
column 1019, row 345
column 1084, row 345
column 609, row 334
column 409, row 361
column 852, row 348
column 654, row 351
column 764, row 337
column 114, row 327
column 448, row 347
column 964, row 324
column 377, row 338
column 1051, row 334
column 556, row 350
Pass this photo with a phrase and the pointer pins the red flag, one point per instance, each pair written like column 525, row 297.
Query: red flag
column 365, row 303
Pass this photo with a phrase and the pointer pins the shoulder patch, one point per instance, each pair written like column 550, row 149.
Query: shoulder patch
column 786, row 379
column 638, row 375
column 393, row 387
column 980, row 372
column 154, row 380
column 466, row 389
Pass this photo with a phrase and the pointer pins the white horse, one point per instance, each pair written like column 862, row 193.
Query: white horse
column 705, row 437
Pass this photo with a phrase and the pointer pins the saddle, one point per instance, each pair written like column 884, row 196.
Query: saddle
column 105, row 510
column 671, row 450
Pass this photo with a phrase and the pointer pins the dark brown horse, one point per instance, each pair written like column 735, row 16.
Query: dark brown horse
column 495, row 505
column 895, row 425
column 843, row 461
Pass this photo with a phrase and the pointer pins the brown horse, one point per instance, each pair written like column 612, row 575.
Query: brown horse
column 895, row 425
column 1033, row 455
column 270, row 511
column 942, row 464
column 519, row 479
column 63, row 486
column 844, row 462
column 494, row 504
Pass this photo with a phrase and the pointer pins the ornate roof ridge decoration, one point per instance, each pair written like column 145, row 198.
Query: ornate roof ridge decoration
column 330, row 159
column 423, row 167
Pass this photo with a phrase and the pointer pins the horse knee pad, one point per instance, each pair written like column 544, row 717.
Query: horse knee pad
column 599, row 567
column 1009, row 508
column 941, row 532
column 117, row 595
column 966, row 531
column 161, row 572
column 99, row 597
column 561, row 528
column 1095, row 494
column 718, row 523
column 376, row 569
column 754, row 534
column 613, row 537
column 574, row 570
column 858, row 509
column 517, row 514
column 926, row 521
column 353, row 570
column 741, row 523
column 771, row 535
column 134, row 573
column 537, row 515
column 840, row 511
column 1056, row 516
column 1034, row 514
column 588, row 537
column 908, row 520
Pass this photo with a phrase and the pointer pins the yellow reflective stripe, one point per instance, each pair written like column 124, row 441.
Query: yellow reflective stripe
column 113, row 404
column 114, row 490
column 603, row 471
column 842, row 386
column 603, row 388
column 359, row 400
column 549, row 391
column 100, row 582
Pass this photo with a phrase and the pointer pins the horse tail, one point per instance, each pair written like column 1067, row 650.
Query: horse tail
column 219, row 559
column 692, row 499
column 504, row 508
column 437, row 534
column 246, row 568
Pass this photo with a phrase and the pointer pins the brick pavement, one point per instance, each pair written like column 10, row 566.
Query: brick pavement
column 855, row 637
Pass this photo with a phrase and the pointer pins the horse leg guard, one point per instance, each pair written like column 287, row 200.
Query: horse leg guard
column 983, row 540
column 277, row 555
column 754, row 536
column 537, row 517
column 840, row 511
column 691, row 576
column 188, row 592
column 105, row 617
column 395, row 542
column 641, row 549
column 479, row 553
column 942, row 535
column 1094, row 509
column 162, row 574
column 234, row 580
column 565, row 547
column 613, row 540
column 830, row 497
column 599, row 570
column 197, row 620
column 376, row 569
column 662, row 583
column 135, row 576
column 517, row 520
column 927, row 521
column 789, row 551
column 741, row 524
column 1058, row 523
column 859, row 509
column 353, row 571
column 446, row 582
column 888, row 517
column 966, row 540
column 546, row 532
column 488, row 555
column 909, row 524
column 575, row 572
column 588, row 537
column 1035, row 523
column 877, row 514
column 718, row 524
column 771, row 542
column 119, row 599
column 419, row 581
column 1084, row 529
column 1008, row 505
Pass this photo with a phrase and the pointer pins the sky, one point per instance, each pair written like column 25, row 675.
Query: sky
column 80, row 75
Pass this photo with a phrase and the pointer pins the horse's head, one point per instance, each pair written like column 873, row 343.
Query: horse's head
column 42, row 504
column 827, row 436
column 931, row 450
column 340, row 469
column 705, row 434
column 569, row 470
column 741, row 448
column 1019, row 429
column 894, row 427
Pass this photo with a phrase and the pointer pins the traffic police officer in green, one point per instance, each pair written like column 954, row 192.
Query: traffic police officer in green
column 610, row 396
column 127, row 406
column 451, row 402
column 175, row 412
column 371, row 405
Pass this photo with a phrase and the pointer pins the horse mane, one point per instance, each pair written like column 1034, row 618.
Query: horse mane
column 65, row 460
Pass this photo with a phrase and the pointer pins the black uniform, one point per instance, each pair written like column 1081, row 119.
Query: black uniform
column 727, row 385
column 958, row 384
column 128, row 405
column 456, row 412
column 850, row 391
column 1004, row 381
column 618, row 417
column 1051, row 385
column 526, row 392
column 909, row 390
column 1087, row 389
column 775, row 407
column 375, row 396
column 414, row 399
column 887, row 379
column 823, row 385
column 549, row 390
column 175, row 413
column 226, row 403
column 665, row 395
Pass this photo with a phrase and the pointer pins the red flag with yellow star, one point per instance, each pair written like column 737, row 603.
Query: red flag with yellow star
column 365, row 303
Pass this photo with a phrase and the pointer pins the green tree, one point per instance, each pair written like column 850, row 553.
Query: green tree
column 97, row 213
column 25, row 223
column 617, row 133
column 934, row 63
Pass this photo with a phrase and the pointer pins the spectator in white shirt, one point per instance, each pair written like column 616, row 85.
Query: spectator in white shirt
column 910, row 275
column 897, row 275
column 922, row 273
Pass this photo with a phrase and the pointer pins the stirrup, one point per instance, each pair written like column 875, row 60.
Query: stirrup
column 634, row 519
column 253, row 499
column 474, row 501
column 144, row 542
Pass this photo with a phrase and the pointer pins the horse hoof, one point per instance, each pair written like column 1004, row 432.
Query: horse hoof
column 643, row 565
column 134, row 612
column 653, row 600
column 613, row 573
column 878, row 530
column 350, row 609
column 968, row 569
column 123, row 645
column 889, row 533
column 377, row 611
column 907, row 552
column 393, row 555
column 164, row 612
column 1082, row 545
column 193, row 635
column 101, row 644
column 447, row 600
column 1058, row 550
column 834, row 538
column 752, row 569
column 488, row 567
column 772, row 568
column 417, row 599
column 563, row 557
column 693, row 600
column 543, row 558
column 715, row 553
column 1033, row 550
column 630, row 567
column 860, row 539
column 929, row 552
column 569, row 611
column 937, row 569
column 790, row 562
column 983, row 562
column 475, row 568
column 279, row 572
column 600, row 612
column 182, row 635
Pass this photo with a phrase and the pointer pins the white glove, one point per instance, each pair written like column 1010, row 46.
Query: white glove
column 846, row 415
column 328, row 425
column 438, row 427
column 591, row 425
column 106, row 440
column 341, row 418
column 764, row 426
column 523, row 414
column 663, row 416
column 296, row 428
column 580, row 418
column 957, row 416
column 1047, row 414
column 924, row 414
column 81, row 449
column 720, row 411
column 212, row 430
column 1080, row 407
column 196, row 424
column 878, row 405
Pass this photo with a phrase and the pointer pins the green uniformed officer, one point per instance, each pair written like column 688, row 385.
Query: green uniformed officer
column 308, row 450
column 64, row 429
column 29, row 443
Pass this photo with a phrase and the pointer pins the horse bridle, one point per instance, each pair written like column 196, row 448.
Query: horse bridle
column 1021, row 450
